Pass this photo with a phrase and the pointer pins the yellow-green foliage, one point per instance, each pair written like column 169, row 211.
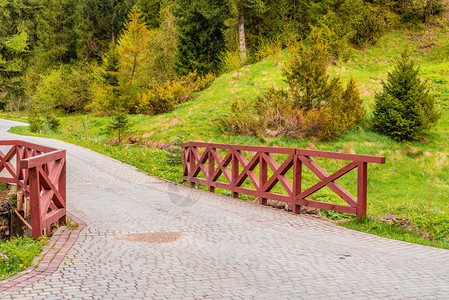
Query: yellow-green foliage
column 164, row 96
column 314, row 105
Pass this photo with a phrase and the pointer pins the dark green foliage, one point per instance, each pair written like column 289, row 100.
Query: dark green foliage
column 201, row 41
column 120, row 125
column 98, row 24
column 404, row 108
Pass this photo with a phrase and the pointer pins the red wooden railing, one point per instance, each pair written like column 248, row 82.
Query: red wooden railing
column 212, row 166
column 40, row 176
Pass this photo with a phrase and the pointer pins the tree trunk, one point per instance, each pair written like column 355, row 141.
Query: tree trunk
column 242, row 43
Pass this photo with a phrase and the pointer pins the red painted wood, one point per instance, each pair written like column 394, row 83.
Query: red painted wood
column 362, row 181
column 31, row 162
column 297, row 173
column 263, row 175
column 40, row 173
column 235, row 174
column 196, row 163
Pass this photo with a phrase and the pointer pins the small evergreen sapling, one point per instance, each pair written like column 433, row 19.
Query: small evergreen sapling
column 404, row 109
column 120, row 125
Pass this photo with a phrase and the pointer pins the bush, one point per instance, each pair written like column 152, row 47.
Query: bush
column 404, row 109
column 313, row 105
column 66, row 88
column 164, row 96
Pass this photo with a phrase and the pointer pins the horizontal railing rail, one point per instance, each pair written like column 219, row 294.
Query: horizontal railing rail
column 40, row 176
column 235, row 168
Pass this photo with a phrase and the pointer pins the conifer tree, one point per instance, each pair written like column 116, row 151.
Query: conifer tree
column 306, row 75
column 404, row 108
column 201, row 40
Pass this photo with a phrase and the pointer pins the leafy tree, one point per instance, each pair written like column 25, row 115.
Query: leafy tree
column 404, row 108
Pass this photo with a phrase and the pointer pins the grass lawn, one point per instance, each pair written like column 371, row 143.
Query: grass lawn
column 17, row 254
column 410, row 185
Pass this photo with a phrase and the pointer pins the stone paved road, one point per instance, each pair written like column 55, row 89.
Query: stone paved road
column 229, row 248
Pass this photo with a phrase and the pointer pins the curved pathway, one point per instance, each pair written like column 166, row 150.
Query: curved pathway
column 226, row 248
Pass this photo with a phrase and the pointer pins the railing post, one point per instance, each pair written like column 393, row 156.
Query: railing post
column 235, row 173
column 362, row 183
column 62, row 190
column 36, row 218
column 297, row 173
column 192, row 166
column 263, row 170
column 211, row 169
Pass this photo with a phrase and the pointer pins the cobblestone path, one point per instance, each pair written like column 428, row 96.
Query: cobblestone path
column 228, row 248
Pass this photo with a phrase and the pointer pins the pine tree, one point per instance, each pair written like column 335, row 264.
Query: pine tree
column 306, row 75
column 120, row 125
column 201, row 40
column 404, row 108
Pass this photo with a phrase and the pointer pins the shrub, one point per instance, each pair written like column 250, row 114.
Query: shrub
column 313, row 105
column 66, row 88
column 404, row 108
column 164, row 96
column 35, row 121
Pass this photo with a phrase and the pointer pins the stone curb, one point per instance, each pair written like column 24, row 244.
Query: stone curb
column 49, row 260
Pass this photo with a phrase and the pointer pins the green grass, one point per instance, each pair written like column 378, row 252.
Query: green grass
column 18, row 254
column 412, row 186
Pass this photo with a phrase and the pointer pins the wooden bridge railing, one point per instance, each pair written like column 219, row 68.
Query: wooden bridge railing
column 40, row 176
column 212, row 165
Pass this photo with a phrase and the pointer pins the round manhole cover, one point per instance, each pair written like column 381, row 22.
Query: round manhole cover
column 151, row 237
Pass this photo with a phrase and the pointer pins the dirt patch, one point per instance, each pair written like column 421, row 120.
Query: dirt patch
column 151, row 237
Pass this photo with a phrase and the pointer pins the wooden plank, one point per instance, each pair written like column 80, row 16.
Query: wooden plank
column 248, row 170
column 36, row 220
column 321, row 174
column 277, row 197
column 53, row 216
column 8, row 180
column 328, row 206
column 235, row 173
column 342, row 156
column 59, row 200
column 32, row 162
column 362, row 186
column 211, row 171
column 222, row 166
column 329, row 179
column 279, row 172
column 263, row 170
column 297, row 174
column 36, row 147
